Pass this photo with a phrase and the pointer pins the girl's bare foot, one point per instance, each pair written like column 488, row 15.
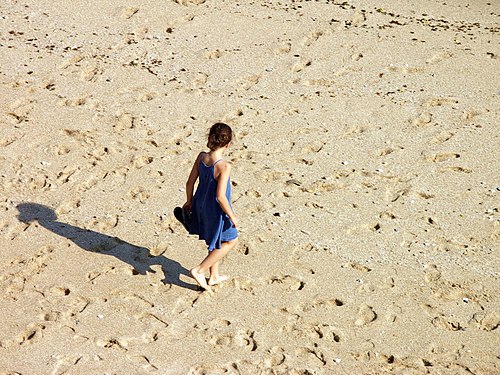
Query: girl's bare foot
column 200, row 278
column 216, row 280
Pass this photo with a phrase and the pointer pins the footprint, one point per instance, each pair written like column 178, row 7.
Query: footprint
column 441, row 137
column 456, row 169
column 249, row 81
column 140, row 161
column 387, row 215
column 214, row 369
column 98, row 154
column 23, row 270
column 64, row 364
column 218, row 324
column 135, row 300
column 323, row 303
column 358, row 18
column 159, row 249
column 70, row 61
column 67, row 207
column 127, row 12
column 438, row 57
column 300, row 250
column 189, row 2
column 65, row 175
column 392, row 194
column 345, row 70
column 114, row 343
column 446, row 245
column 105, row 223
column 183, row 303
column 90, row 73
column 445, row 323
column 243, row 248
column 357, row 267
column 469, row 115
column 52, row 316
column 356, row 130
column 32, row 334
column 253, row 193
column 424, row 119
column 84, row 137
column 60, row 149
column 356, row 56
column 329, row 333
column 440, row 157
column 487, row 321
column 20, row 111
column 285, row 48
column 199, row 80
column 387, row 283
column 241, row 339
column 263, row 207
column 274, row 357
column 39, row 183
column 365, row 315
column 273, row 176
column 244, row 284
column 311, row 38
column 215, row 54
column 385, row 151
column 438, row 102
column 123, row 121
column 15, row 118
column 301, row 65
column 152, row 320
column 290, row 282
column 313, row 147
column 91, row 182
column 6, row 141
column 322, row 82
column 405, row 69
column 425, row 195
column 76, row 306
column 143, row 361
column 316, row 354
column 60, row 291
column 76, row 102
column 140, row 194
column 432, row 274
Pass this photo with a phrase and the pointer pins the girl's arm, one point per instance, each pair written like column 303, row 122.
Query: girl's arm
column 222, row 179
column 193, row 176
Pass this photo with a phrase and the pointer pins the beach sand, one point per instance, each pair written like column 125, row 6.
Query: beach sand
column 365, row 175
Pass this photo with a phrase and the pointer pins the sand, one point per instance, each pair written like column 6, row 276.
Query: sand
column 365, row 175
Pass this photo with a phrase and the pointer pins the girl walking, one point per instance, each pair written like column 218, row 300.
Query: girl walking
column 212, row 216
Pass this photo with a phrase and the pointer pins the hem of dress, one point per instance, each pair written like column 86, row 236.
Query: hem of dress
column 222, row 241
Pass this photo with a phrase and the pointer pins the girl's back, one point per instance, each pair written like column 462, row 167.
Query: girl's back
column 208, row 219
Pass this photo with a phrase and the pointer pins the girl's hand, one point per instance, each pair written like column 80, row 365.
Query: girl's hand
column 187, row 206
column 235, row 221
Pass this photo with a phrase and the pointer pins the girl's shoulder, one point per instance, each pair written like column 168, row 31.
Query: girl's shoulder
column 200, row 157
column 222, row 166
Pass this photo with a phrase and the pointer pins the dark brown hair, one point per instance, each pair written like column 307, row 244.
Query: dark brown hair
column 219, row 136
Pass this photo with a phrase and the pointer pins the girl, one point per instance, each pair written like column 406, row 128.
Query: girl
column 212, row 216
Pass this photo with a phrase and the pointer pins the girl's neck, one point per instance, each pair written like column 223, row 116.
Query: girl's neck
column 217, row 154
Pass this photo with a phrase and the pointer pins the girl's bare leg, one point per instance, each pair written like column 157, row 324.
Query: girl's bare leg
column 210, row 261
column 215, row 277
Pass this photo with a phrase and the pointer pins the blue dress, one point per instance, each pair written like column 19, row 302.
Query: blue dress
column 208, row 220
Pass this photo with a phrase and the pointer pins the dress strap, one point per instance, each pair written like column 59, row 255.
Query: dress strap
column 217, row 161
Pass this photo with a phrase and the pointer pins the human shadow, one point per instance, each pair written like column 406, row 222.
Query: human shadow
column 138, row 257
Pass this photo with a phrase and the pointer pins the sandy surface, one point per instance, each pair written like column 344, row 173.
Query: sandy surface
column 365, row 173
